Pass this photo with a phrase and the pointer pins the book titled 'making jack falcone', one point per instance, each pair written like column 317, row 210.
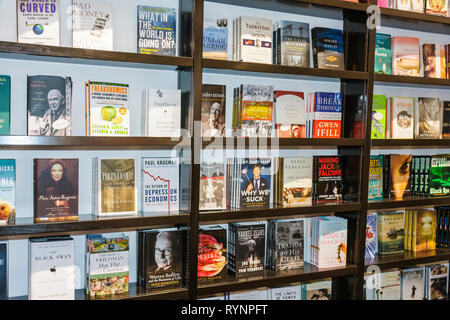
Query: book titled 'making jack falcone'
column 327, row 178
column 246, row 247
column 161, row 256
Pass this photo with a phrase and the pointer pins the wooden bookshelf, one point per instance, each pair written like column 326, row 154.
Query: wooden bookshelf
column 414, row 16
column 410, row 202
column 408, row 143
column 409, row 258
column 411, row 80
column 288, row 143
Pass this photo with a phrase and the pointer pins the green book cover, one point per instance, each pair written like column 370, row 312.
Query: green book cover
column 391, row 232
column 5, row 102
column 383, row 54
column 439, row 179
column 376, row 178
column 378, row 117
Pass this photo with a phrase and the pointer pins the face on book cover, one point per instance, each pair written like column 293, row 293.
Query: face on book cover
column 164, row 247
column 400, row 171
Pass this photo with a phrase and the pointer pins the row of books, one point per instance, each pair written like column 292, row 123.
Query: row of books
column 423, row 6
column 318, row 290
column 400, row 176
column 429, row 282
column 92, row 25
column 410, row 118
column 401, row 56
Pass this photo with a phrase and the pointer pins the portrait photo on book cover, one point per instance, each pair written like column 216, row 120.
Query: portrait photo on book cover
column 212, row 186
column 214, row 124
column 166, row 252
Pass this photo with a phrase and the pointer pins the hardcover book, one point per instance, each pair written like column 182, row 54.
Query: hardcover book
column 7, row 190
column 326, row 115
column 437, row 7
column 391, row 232
column 5, row 104
column 405, row 56
column 423, row 230
column 327, row 178
column 446, row 119
column 213, row 110
column 114, row 187
column 292, row 43
column 328, row 48
column 160, row 185
column 55, row 189
column 383, row 63
column 162, row 113
column 296, row 181
column 156, row 29
column 107, row 264
column 107, row 109
column 330, row 244
column 371, row 237
column 254, row 187
column 246, row 248
column 49, row 100
column 38, row 22
column 257, row 110
column 412, row 284
column 215, row 38
column 436, row 282
column 290, row 114
column 429, row 112
column 254, row 40
column 52, row 268
column 286, row 293
column 285, row 244
column 4, row 262
column 92, row 25
column 376, row 178
column 212, row 257
column 401, row 116
column 439, row 179
column 379, row 117
column 319, row 290
column 160, row 258
column 212, row 186
column 390, row 286
column 399, row 183
column 431, row 61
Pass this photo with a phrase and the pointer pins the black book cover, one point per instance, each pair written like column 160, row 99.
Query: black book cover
column 288, row 245
column 163, row 254
column 3, row 270
column 351, row 177
column 212, row 256
column 446, row 119
column 329, row 179
column 250, row 248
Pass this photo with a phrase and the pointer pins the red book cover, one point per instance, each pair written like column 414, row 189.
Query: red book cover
column 327, row 115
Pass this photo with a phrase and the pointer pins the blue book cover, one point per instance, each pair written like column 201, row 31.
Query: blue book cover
column 5, row 104
column 328, row 48
column 215, row 39
column 376, row 178
column 156, row 30
column 7, row 190
column 371, row 237
column 3, row 270
column 292, row 43
column 327, row 115
column 255, row 182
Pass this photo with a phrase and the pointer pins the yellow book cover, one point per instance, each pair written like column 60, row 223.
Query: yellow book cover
column 414, row 231
column 407, row 230
column 425, row 230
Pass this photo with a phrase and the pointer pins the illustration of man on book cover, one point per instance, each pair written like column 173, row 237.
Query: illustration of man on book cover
column 255, row 183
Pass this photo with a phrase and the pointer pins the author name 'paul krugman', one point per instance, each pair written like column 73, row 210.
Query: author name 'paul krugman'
column 229, row 309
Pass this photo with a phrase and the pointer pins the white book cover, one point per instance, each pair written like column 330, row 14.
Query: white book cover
column 92, row 25
column 418, row 6
column 390, row 288
column 163, row 111
column 401, row 115
column 297, row 181
column 286, row 293
column 331, row 240
column 108, row 109
column 52, row 270
column 38, row 22
column 290, row 114
column 248, row 295
column 403, row 4
column 160, row 185
column 413, row 284
column 255, row 43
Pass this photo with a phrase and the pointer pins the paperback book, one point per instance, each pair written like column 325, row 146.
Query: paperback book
column 422, row 230
column 379, row 117
column 428, row 124
column 212, row 257
column 405, row 56
column 212, row 186
column 401, row 116
column 436, row 282
column 5, row 104
column 319, row 290
column 253, row 39
column 290, row 114
column 439, row 177
column 7, row 190
column 291, row 42
column 412, row 284
column 256, row 110
column 324, row 115
column 4, row 263
column 328, row 48
column 371, row 237
column 431, row 60
column 215, row 38
column 437, row 7
column 398, row 179
column 327, row 178
column 293, row 181
column 391, row 232
column 383, row 64
column 213, row 110
column 446, row 119
column 376, row 178
column 286, row 293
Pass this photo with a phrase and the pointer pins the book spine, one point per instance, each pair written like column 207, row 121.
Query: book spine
column 314, row 47
column 427, row 176
column 386, row 176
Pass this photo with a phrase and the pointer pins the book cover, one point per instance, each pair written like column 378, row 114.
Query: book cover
column 328, row 48
column 439, row 179
column 38, row 22
column 255, row 40
column 162, row 112
column 437, row 282
column 405, row 56
column 400, row 176
column 108, row 111
column 412, row 284
column 107, row 264
column 401, row 116
column 442, row 63
column 390, row 286
column 292, row 43
column 418, row 6
column 403, row 4
column 160, row 185
column 162, row 257
column 430, row 60
column 257, row 110
column 156, row 30
column 379, row 105
column 437, row 7
column 247, row 245
column 5, row 104
column 297, row 181
column 212, row 186
column 7, row 190
column 319, row 290
column 254, row 186
column 445, row 119
column 286, row 293
column 327, row 178
column 331, row 242
column 290, row 114
column 212, row 257
column 383, row 63
column 424, row 230
column 376, row 178
column 4, row 262
column 215, row 38
column 326, row 115
column 52, row 268
column 213, row 110
column 55, row 189
column 114, row 186
column 391, row 232
column 429, row 118
column 49, row 101
column 286, row 241
column 92, row 26
column 371, row 237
